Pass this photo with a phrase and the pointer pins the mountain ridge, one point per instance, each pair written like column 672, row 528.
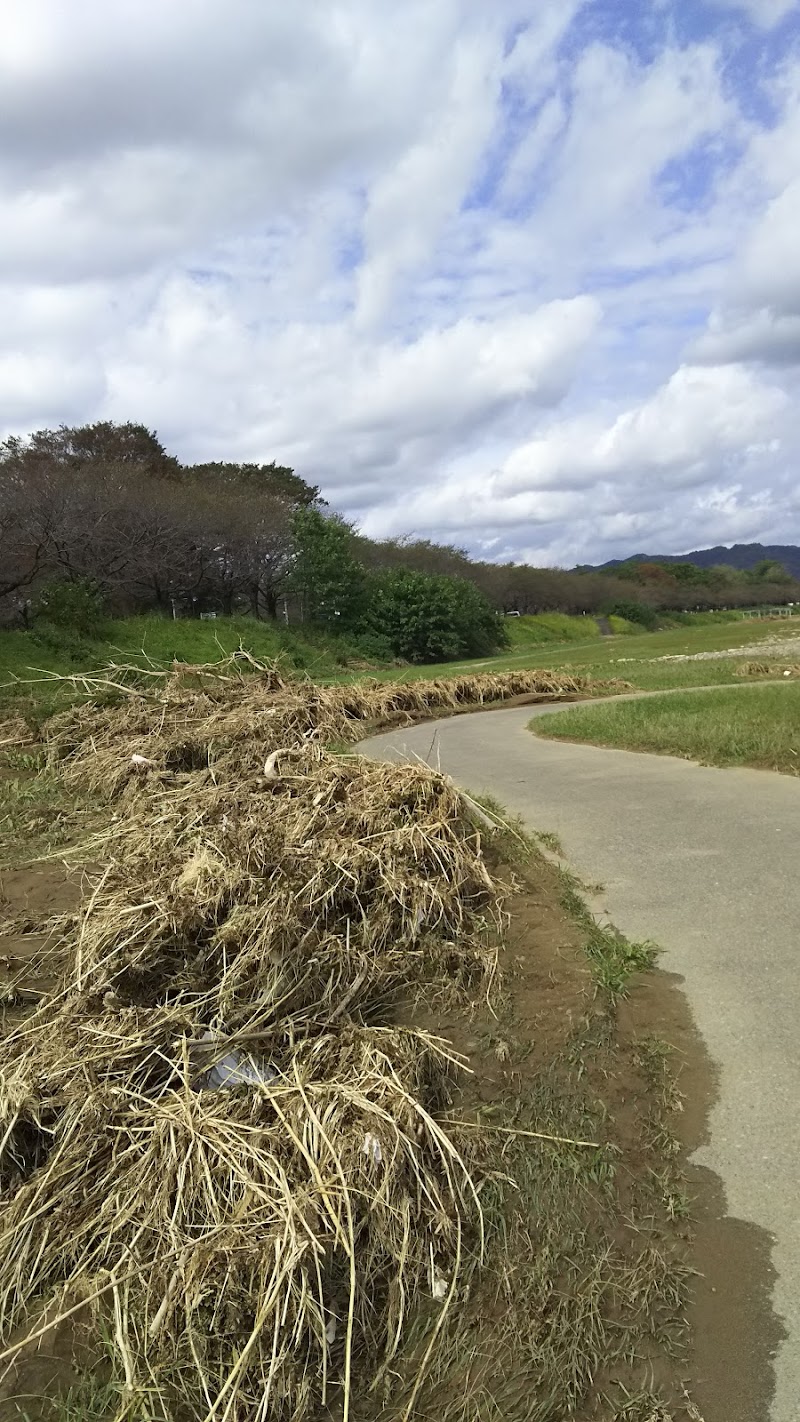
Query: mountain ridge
column 739, row 555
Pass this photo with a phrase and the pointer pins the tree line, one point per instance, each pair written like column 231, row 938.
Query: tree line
column 102, row 512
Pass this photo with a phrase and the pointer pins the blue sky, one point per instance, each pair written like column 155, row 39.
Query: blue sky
column 521, row 277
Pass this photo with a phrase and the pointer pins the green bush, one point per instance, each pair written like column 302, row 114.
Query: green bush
column 77, row 607
column 431, row 617
column 638, row 612
column 372, row 646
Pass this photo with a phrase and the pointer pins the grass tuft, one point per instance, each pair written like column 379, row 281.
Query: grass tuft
column 752, row 725
column 614, row 958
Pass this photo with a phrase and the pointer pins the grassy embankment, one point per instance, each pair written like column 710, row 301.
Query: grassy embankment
column 754, row 725
column 549, row 639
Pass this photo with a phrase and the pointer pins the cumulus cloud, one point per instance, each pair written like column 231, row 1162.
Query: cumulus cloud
column 760, row 316
column 488, row 272
column 333, row 401
column 693, row 455
column 681, row 434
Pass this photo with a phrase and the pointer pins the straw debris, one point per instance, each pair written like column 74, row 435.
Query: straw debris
column 232, row 717
column 257, row 1250
column 767, row 669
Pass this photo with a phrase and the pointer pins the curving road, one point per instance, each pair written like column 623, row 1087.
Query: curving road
column 705, row 862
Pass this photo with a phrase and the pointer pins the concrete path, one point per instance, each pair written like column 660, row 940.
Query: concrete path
column 706, row 863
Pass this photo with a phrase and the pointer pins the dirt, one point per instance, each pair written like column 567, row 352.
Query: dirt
column 30, row 960
column 30, row 967
column 548, row 983
column 549, row 999
column 734, row 1329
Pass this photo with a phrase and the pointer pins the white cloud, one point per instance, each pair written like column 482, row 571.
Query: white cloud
column 679, row 435
column 758, row 316
column 484, row 270
column 332, row 400
column 409, row 204
column 690, row 457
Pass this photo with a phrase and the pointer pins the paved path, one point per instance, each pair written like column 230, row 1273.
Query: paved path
column 705, row 862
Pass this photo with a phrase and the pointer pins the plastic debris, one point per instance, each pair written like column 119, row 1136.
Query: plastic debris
column 234, row 1069
column 140, row 761
column 439, row 1287
column 330, row 1330
column 372, row 1148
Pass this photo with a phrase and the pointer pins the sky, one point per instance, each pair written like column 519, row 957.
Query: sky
column 521, row 277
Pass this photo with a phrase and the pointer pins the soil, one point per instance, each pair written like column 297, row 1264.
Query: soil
column 30, row 967
column 30, row 962
column 734, row 1329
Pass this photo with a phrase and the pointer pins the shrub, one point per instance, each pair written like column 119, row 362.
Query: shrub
column 372, row 646
column 432, row 617
column 639, row 612
column 74, row 607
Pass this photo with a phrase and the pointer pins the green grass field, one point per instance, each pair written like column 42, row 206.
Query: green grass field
column 629, row 656
column 752, row 725
column 548, row 640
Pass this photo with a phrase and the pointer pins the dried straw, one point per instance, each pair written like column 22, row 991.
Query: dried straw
column 256, row 1251
column 767, row 669
column 228, row 720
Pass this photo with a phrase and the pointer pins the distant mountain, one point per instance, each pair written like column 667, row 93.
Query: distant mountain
column 741, row 555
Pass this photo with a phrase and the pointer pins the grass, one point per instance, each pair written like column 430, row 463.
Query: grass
column 754, row 725
column 139, row 640
column 549, row 639
column 89, row 1400
column 192, row 640
column 549, row 628
column 614, row 958
column 629, row 656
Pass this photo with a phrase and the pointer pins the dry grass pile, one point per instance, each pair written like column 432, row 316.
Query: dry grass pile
column 246, row 1249
column 768, row 669
column 341, row 878
column 253, row 1243
column 230, row 716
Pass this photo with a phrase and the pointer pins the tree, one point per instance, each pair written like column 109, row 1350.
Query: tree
column 103, row 443
column 277, row 481
column 769, row 570
column 326, row 575
column 432, row 617
column 690, row 574
column 723, row 575
column 657, row 576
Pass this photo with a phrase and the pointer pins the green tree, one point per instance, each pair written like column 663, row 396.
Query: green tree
column 77, row 606
column 723, row 575
column 769, row 570
column 638, row 612
column 326, row 575
column 690, row 573
column 432, row 617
